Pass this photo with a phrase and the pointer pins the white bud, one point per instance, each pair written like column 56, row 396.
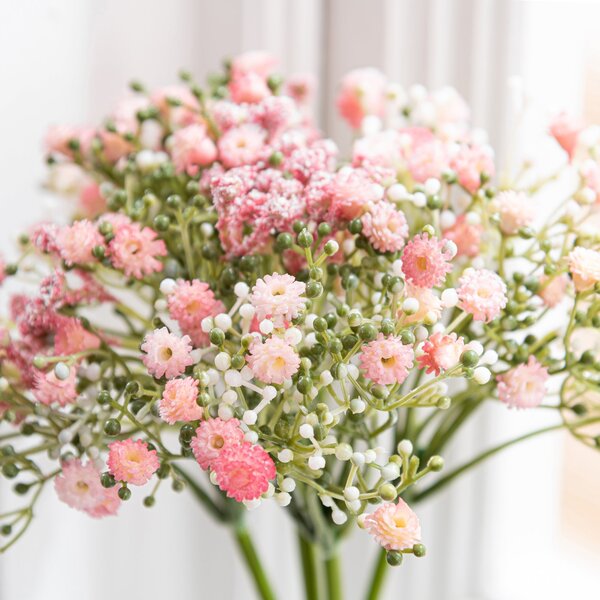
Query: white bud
column 251, row 437
column 355, row 505
column 339, row 517
column 419, row 199
column 233, row 378
column 326, row 501
column 213, row 376
column 360, row 520
column 447, row 219
column 472, row 218
column 370, row 456
column 451, row 248
column 241, row 289
column 167, row 286
column 326, row 378
column 93, row 372
column 293, row 336
column 357, row 406
column 490, row 357
column 225, row 412
column 421, row 333
column 3, row 384
column 288, row 485
column 285, row 455
column 343, row 452
column 283, row 499
column 358, row 458
column 207, row 324
column 476, row 346
column 61, row 371
column 247, row 311
column 316, row 462
column 250, row 417
column 410, row 306
column 351, row 493
column 207, row 230
column 306, row 431
column 432, row 186
column 482, row 375
column 223, row 321
column 229, row 396
column 269, row 392
column 266, row 326
column 161, row 305
column 405, row 448
column 390, row 472
column 449, row 298
column 222, row 361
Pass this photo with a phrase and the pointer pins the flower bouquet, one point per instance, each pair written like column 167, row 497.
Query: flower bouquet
column 237, row 312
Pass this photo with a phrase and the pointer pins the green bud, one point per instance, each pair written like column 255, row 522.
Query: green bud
column 435, row 463
column 419, row 550
column 107, row 480
column 305, row 239
column 355, row 226
column 284, row 241
column 314, row 289
column 394, row 559
column 324, row 229
column 367, row 332
column 469, row 358
column 124, row 493
column 162, row 222
column 217, row 336
column 388, row 492
column 112, row 427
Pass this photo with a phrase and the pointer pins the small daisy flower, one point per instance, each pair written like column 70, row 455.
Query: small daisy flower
column 243, row 471
column 515, row 211
column 178, row 401
column 362, row 93
column 552, row 290
column 242, row 145
column 429, row 304
column 212, row 437
column 584, row 265
column 466, row 236
column 273, row 361
column 441, row 352
column 79, row 485
column 166, row 354
column 72, row 337
column 523, row 386
column 109, row 506
column 425, row 263
column 470, row 163
column 482, row 294
column 352, row 191
column 75, row 242
column 394, row 526
column 132, row 461
column 48, row 389
column 386, row 360
column 385, row 227
column 278, row 297
column 191, row 148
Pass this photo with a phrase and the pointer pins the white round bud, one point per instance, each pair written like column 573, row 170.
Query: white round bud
column 447, row 219
column 207, row 230
column 432, row 186
column 476, row 346
column 167, row 286
column 249, row 417
column 326, row 378
column 370, row 456
column 229, row 396
column 283, row 499
column 405, row 448
column 306, row 431
column 222, row 361
column 266, row 326
column 390, row 472
column 285, row 455
column 482, row 375
column 241, row 289
column 247, row 311
column 396, row 192
column 61, row 371
column 339, row 517
column 410, row 306
column 357, row 406
column 419, row 199
column 233, row 378
column 269, row 392
column 355, row 505
column 351, row 493
column 161, row 305
column 288, row 485
column 343, row 452
column 293, row 336
column 358, row 458
column 225, row 412
column 490, row 357
column 449, row 298
column 251, row 437
column 223, row 321
column 316, row 462
column 207, row 324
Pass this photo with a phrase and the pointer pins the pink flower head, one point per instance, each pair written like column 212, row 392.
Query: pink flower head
column 552, row 289
column 352, row 191
column 191, row 148
column 243, row 471
column 135, row 249
column 523, row 386
column 48, row 389
column 425, row 261
column 429, row 304
column 471, row 163
column 278, row 297
column 132, row 461
column 427, row 159
column 386, row 360
column 75, row 242
column 58, row 139
column 248, row 88
column 584, row 265
column 362, row 93
column 178, row 401
column 241, row 145
column 300, row 87
column 565, row 129
column 91, row 201
column 394, row 526
column 166, row 354
column 259, row 62
column 79, row 485
column 273, row 361
column 482, row 294
column 385, row 227
column 590, row 177
column 212, row 437
column 72, row 337
column 114, row 145
column 109, row 506
column 441, row 352
column 515, row 211
column 185, row 113
column 466, row 236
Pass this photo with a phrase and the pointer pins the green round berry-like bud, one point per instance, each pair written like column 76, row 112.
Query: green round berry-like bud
column 349, row 341
column 419, row 550
column 320, row 432
column 298, row 226
column 526, row 233
column 428, row 229
column 324, row 229
column 367, row 332
column 435, row 463
column 387, row 492
column 509, row 323
column 305, row 238
column 393, row 558
column 434, row 202
column 355, row 226
column 162, row 222
column 117, row 200
column 320, row 324
column 587, row 358
column 27, row 429
column 217, row 336
column 276, row 158
column 335, row 346
column 379, row 391
column 112, row 427
column 186, row 432
column 332, row 269
column 304, row 384
column 387, row 327
column 237, row 361
column 579, row 409
column 284, row 241
column 11, row 269
column 532, row 284
column 132, row 388
column 444, row 403
column 331, row 247
column 103, row 397
column 10, row 470
column 107, row 480
column 39, row 362
column 178, row 485
column 6, row 530
column 469, row 358
column 163, row 471
column 518, row 277
column 350, row 282
column 249, row 263
column 314, row 289
column 274, row 81
column 7, row 450
column 354, row 318
column 203, row 399
column 22, row 488
column 149, row 501
column 174, row 201
column 124, row 493
column 550, row 269
column 316, row 273
column 342, row 310
column 98, row 252
column 331, row 319
column 408, row 337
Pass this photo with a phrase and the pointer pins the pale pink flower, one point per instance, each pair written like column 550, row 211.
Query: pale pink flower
column 352, row 191
column 552, row 289
column 109, row 506
column 212, row 437
column 185, row 114
column 300, row 87
column 273, row 361
column 132, row 461
column 515, row 211
column 565, row 129
column 191, row 148
column 425, row 261
column 79, row 485
column 429, row 304
column 243, row 471
column 166, row 354
column 386, row 360
column 242, row 145
column 259, row 62
column 48, row 389
column 124, row 115
column 441, row 352
column 248, row 88
column 59, row 137
column 523, row 386
column 114, row 145
column 75, row 242
column 71, row 337
column 584, row 265
column 394, row 526
column 178, row 401
column 385, row 227
column 466, row 236
column 278, row 297
column 590, row 175
column 91, row 201
column 362, row 93
column 470, row 163
column 426, row 159
column 482, row 294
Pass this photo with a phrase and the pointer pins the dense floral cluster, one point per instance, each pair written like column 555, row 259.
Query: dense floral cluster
column 314, row 330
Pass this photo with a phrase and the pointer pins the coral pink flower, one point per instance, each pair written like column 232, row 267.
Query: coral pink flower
column 273, row 361
column 166, row 354
column 362, row 93
column 565, row 130
column 132, row 461
column 243, row 471
column 212, row 437
column 482, row 294
column 429, row 304
column 523, row 386
column 466, row 236
column 584, row 265
column 79, row 485
column 248, row 88
column 72, row 337
column 191, row 148
column 386, row 360
column 352, row 191
column 48, row 389
column 385, row 227
column 278, row 297
column 425, row 262
column 552, row 289
column 441, row 352
column 242, row 145
column 178, row 401
column 91, row 201
column 515, row 211
column 75, row 242
column 470, row 163
column 259, row 62
column 394, row 526
column 135, row 249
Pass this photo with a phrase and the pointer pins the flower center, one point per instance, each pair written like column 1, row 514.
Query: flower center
column 279, row 362
column 217, row 442
column 421, row 263
column 388, row 361
column 82, row 486
column 165, row 353
column 400, row 522
column 484, row 293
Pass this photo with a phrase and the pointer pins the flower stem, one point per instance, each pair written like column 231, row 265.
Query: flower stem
column 248, row 551
column 334, row 584
column 309, row 567
column 379, row 573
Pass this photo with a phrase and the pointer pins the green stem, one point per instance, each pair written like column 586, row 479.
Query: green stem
column 248, row 551
column 334, row 584
column 378, row 579
column 309, row 567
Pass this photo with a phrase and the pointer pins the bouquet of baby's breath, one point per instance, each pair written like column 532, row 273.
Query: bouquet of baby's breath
column 295, row 320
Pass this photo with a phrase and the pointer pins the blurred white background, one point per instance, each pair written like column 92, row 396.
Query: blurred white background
column 513, row 530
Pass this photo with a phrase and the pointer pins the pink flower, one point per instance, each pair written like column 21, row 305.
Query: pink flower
column 394, row 526
column 300, row 87
column 515, row 211
column 178, row 401
column 278, row 297
column 124, row 115
column 212, row 437
column 565, row 130
column 386, row 360
column 132, row 461
column 166, row 354
column 91, row 201
column 523, row 386
column 109, row 506
column 385, row 227
column 75, row 242
column 465, row 235
column 258, row 62
column 248, row 88
column 135, row 249
column 191, row 148
column 179, row 116
column 352, row 191
column 241, row 145
column 590, row 175
column 114, row 145
column 273, row 361
column 58, row 139
column 441, row 352
column 426, row 159
column 552, row 289
column 362, row 93
column 48, row 389
column 243, row 471
column 471, row 163
column 482, row 294
column 425, row 262
column 79, row 485
column 429, row 303
column 584, row 265
column 72, row 337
